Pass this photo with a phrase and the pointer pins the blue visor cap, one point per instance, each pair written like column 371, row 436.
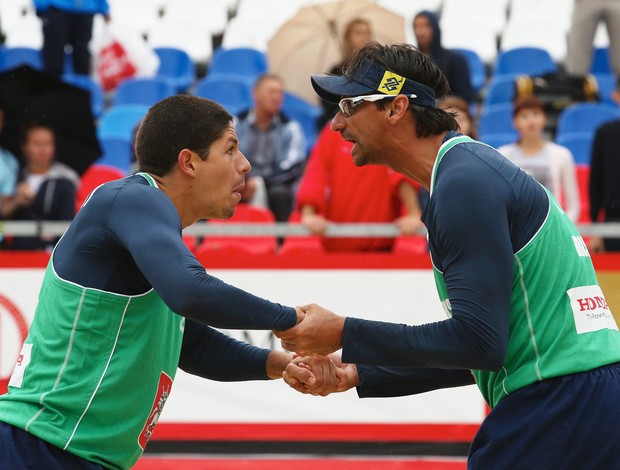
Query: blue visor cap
column 371, row 78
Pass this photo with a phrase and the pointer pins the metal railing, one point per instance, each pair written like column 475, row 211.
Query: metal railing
column 281, row 229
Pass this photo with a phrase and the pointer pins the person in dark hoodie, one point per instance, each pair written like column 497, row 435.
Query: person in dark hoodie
column 452, row 63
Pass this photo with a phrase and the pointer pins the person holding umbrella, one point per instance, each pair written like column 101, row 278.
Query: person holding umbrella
column 46, row 190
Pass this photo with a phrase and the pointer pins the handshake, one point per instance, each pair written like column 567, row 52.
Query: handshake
column 320, row 375
column 315, row 369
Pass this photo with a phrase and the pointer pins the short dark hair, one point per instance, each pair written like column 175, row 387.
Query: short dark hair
column 527, row 102
column 176, row 123
column 406, row 60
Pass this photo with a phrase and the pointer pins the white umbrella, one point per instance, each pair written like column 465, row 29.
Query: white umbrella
column 310, row 41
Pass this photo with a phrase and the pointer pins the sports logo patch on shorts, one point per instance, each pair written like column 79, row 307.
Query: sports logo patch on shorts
column 590, row 309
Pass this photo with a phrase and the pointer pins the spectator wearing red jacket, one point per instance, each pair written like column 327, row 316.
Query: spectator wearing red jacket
column 333, row 189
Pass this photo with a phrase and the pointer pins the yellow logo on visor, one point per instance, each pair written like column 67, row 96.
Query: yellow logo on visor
column 391, row 83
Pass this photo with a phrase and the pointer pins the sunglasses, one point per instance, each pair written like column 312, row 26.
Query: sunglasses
column 347, row 105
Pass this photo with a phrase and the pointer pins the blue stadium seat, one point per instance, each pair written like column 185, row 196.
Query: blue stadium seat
column 244, row 61
column 477, row 69
column 606, row 83
column 146, row 91
column 176, row 65
column 120, row 121
column 524, row 60
column 580, row 145
column 600, row 61
column 496, row 119
column 230, row 90
column 501, row 89
column 97, row 97
column 497, row 139
column 585, row 117
column 117, row 152
column 11, row 57
column 305, row 113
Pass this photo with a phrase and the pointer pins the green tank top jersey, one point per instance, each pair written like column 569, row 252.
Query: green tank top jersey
column 94, row 371
column 560, row 322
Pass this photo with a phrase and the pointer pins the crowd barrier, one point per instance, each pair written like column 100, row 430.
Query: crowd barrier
column 268, row 415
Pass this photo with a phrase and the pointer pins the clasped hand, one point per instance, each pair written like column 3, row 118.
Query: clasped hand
column 320, row 375
column 318, row 332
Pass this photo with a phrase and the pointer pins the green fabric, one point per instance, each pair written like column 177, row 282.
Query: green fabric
column 101, row 367
column 559, row 321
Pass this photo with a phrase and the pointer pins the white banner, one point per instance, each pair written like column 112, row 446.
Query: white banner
column 399, row 295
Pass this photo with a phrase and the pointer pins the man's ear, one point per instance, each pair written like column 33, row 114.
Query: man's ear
column 186, row 160
column 398, row 108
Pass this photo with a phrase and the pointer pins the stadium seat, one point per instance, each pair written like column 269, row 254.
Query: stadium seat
column 477, row 69
column 244, row 61
column 305, row 113
column 476, row 35
column 97, row 97
column 606, row 83
column 600, row 61
column 580, row 145
column 213, row 14
column 177, row 67
column 583, row 181
column 94, row 177
column 524, row 60
column 410, row 245
column 497, row 139
column 585, row 117
column 146, row 91
column 544, row 32
column 500, row 89
column 308, row 245
column 24, row 31
column 116, row 153
column 121, row 121
column 496, row 119
column 189, row 35
column 410, row 9
column 11, row 57
column 231, row 91
column 244, row 213
column 492, row 11
column 136, row 16
column 531, row 10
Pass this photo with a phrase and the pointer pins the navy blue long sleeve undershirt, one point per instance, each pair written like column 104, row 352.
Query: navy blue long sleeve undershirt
column 482, row 210
column 127, row 239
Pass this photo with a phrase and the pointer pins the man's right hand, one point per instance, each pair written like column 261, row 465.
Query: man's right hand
column 320, row 375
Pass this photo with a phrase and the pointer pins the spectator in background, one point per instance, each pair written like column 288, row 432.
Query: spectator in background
column 452, row 64
column 46, row 188
column 357, row 33
column 587, row 14
column 605, row 178
column 552, row 165
column 459, row 108
column 68, row 22
column 333, row 189
column 274, row 144
column 9, row 168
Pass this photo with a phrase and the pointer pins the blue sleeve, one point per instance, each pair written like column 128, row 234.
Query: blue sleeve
column 151, row 232
column 469, row 230
column 213, row 355
column 375, row 381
